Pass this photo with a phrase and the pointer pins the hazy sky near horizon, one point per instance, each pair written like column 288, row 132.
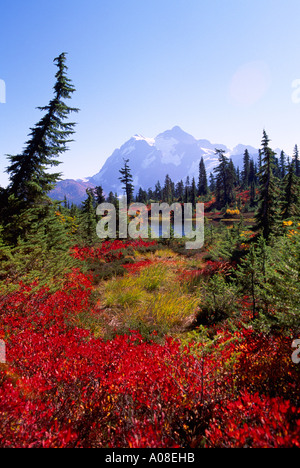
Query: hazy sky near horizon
column 222, row 70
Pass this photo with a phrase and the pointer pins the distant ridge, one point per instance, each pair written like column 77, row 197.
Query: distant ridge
column 172, row 152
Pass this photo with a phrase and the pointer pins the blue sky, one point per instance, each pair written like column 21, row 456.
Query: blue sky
column 220, row 69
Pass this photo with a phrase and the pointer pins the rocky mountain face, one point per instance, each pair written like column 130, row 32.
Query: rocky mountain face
column 173, row 152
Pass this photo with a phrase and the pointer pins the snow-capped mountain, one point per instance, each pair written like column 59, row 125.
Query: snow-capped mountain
column 173, row 152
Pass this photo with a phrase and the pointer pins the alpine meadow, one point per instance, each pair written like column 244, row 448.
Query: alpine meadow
column 114, row 334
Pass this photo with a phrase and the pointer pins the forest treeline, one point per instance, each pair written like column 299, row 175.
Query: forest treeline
column 96, row 331
column 36, row 233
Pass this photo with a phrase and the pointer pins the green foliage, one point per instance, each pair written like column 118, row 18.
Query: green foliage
column 29, row 180
column 267, row 214
column 291, row 194
column 218, row 301
column 88, row 220
column 126, row 179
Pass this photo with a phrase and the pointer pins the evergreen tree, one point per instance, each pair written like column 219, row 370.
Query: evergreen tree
column 238, row 176
column 246, row 170
column 212, row 183
column 296, row 159
column 98, row 195
column 141, row 196
column 193, row 196
column 252, row 195
column 252, row 276
column 202, row 185
column 179, row 191
column 291, row 194
column 158, row 191
column 266, row 216
column 111, row 198
column 187, row 190
column 29, row 179
column 252, row 172
column 232, row 175
column 282, row 165
column 224, row 179
column 168, row 190
column 88, row 219
column 26, row 197
column 126, row 179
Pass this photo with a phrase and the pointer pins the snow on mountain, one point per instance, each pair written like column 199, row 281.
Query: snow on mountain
column 173, row 152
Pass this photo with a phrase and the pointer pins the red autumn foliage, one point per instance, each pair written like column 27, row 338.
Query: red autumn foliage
column 254, row 421
column 133, row 268
column 210, row 269
column 109, row 250
column 62, row 387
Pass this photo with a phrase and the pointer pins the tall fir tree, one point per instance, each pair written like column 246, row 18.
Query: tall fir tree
column 225, row 179
column 99, row 195
column 179, row 192
column 88, row 219
column 296, row 159
column 267, row 213
column 202, row 185
column 291, row 194
column 158, row 191
column 126, row 179
column 212, row 183
column 168, row 190
column 282, row 165
column 193, row 195
column 29, row 179
column 246, row 170
column 30, row 182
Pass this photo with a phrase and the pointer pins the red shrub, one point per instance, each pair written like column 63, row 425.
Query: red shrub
column 254, row 421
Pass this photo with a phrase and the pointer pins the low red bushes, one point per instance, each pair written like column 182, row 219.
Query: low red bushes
column 62, row 387
column 109, row 250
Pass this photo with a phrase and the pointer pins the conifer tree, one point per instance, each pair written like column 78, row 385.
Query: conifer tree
column 187, row 190
column 126, row 179
column 246, row 169
column 180, row 191
column 282, row 165
column 212, row 183
column 267, row 214
column 224, row 179
column 88, row 219
column 291, row 194
column 26, row 197
column 29, row 179
column 296, row 159
column 168, row 190
column 202, row 185
column 158, row 191
column 193, row 195
column 98, row 195
column 252, row 172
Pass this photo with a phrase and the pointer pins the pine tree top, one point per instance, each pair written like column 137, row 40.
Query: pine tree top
column 48, row 139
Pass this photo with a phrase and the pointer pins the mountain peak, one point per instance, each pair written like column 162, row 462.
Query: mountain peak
column 173, row 152
column 177, row 134
column 138, row 137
